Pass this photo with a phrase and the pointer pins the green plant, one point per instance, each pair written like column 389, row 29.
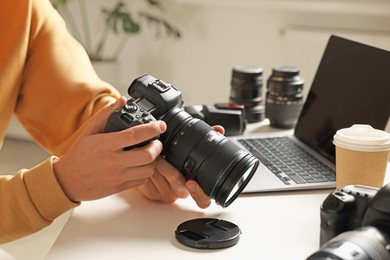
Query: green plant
column 119, row 21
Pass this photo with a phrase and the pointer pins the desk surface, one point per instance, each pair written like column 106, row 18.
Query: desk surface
column 278, row 225
column 128, row 226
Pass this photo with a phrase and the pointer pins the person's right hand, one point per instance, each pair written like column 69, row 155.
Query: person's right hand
column 96, row 165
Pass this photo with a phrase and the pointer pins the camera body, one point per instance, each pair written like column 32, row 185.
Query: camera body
column 130, row 115
column 220, row 166
column 230, row 116
column 355, row 224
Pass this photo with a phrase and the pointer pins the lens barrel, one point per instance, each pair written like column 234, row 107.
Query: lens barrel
column 284, row 98
column 366, row 243
column 246, row 89
column 221, row 167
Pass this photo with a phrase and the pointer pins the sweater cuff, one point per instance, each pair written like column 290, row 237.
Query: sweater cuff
column 45, row 191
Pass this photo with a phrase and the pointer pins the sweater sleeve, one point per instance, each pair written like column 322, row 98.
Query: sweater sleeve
column 56, row 93
column 30, row 200
column 58, row 82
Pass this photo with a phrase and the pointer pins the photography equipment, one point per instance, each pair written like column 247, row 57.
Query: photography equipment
column 355, row 224
column 221, row 167
column 284, row 98
column 246, row 88
column 208, row 233
column 231, row 117
column 128, row 116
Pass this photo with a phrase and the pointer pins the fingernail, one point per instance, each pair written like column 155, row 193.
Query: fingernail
column 163, row 126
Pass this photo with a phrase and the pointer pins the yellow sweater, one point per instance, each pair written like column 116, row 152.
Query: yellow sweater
column 48, row 83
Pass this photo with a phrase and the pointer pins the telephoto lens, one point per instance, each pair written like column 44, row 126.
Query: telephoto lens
column 284, row 98
column 365, row 243
column 200, row 153
column 246, row 89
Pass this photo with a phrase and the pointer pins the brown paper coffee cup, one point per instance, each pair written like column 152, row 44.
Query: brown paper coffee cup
column 362, row 154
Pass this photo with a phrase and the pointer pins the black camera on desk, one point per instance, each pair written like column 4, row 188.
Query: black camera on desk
column 221, row 167
column 355, row 224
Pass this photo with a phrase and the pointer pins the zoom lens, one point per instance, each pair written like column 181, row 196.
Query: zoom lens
column 284, row 98
column 220, row 166
column 366, row 243
column 246, row 89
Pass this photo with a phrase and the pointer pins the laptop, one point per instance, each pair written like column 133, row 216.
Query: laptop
column 351, row 86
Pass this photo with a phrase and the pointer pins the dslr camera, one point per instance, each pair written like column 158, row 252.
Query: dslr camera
column 355, row 224
column 221, row 167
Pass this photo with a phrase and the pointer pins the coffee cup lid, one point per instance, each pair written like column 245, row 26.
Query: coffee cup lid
column 362, row 137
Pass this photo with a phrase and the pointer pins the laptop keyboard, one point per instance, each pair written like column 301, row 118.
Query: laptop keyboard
column 288, row 161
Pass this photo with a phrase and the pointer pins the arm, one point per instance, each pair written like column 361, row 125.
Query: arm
column 57, row 95
column 58, row 81
column 47, row 79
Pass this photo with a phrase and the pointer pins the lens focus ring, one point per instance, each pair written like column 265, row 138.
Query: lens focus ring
column 185, row 140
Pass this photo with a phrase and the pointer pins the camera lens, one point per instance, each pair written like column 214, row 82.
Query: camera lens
column 220, row 167
column 284, row 98
column 246, row 86
column 366, row 243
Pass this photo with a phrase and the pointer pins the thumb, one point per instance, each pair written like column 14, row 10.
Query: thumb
column 99, row 121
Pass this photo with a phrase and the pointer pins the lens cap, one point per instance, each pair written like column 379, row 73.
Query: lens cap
column 208, row 233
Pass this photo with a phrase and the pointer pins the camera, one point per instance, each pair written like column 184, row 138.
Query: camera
column 355, row 224
column 230, row 116
column 221, row 167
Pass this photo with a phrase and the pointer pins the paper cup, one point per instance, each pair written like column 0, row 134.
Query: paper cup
column 362, row 154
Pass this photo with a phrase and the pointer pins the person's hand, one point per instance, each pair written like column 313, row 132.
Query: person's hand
column 167, row 184
column 96, row 165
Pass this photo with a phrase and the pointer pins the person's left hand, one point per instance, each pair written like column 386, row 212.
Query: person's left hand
column 167, row 184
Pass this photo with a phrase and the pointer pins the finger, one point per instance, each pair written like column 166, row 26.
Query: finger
column 139, row 156
column 149, row 190
column 159, row 189
column 132, row 184
column 162, row 191
column 174, row 177
column 99, row 122
column 134, row 173
column 202, row 199
column 135, row 135
column 219, row 129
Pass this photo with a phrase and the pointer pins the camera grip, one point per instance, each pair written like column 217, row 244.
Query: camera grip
column 129, row 116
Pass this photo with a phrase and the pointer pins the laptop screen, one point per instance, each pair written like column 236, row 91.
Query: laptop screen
column 351, row 86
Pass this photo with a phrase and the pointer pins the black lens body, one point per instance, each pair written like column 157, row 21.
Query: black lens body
column 355, row 224
column 232, row 118
column 284, row 98
column 365, row 243
column 220, row 166
column 246, row 89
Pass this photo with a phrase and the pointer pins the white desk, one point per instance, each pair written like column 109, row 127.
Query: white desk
column 274, row 226
column 283, row 225
column 128, row 226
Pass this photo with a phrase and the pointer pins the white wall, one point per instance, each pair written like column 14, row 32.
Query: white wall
column 218, row 34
